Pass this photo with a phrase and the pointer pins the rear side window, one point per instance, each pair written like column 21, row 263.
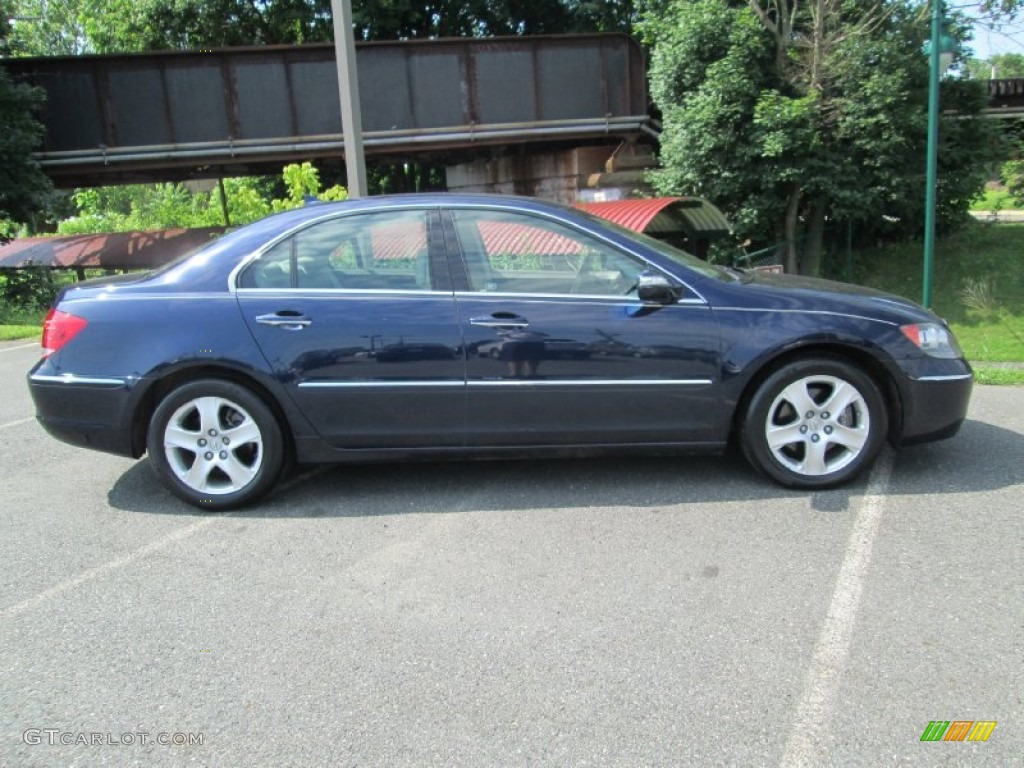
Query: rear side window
column 371, row 251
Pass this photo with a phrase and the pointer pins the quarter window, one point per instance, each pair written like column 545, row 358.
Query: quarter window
column 516, row 253
column 372, row 251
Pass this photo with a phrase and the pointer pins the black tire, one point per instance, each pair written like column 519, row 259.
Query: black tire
column 215, row 444
column 814, row 423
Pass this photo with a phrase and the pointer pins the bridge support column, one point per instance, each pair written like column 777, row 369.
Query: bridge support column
column 557, row 176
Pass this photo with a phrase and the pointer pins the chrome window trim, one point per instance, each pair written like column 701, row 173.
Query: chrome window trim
column 574, row 226
column 317, row 293
column 233, row 275
column 569, row 298
column 72, row 379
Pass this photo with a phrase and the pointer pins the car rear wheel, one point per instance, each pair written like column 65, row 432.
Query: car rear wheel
column 215, row 444
column 814, row 423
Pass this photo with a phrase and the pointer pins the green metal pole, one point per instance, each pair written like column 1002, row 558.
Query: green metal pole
column 933, row 153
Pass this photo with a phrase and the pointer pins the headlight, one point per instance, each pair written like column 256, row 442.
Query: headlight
column 932, row 339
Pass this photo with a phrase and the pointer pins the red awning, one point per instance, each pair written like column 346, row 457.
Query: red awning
column 119, row 250
column 664, row 215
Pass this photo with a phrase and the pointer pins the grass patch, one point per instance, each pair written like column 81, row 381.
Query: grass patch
column 996, row 200
column 14, row 332
column 977, row 285
column 1002, row 376
column 20, row 324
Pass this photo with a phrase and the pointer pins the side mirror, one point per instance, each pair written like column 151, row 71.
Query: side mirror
column 655, row 288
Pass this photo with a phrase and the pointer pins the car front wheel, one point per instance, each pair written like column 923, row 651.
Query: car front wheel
column 814, row 423
column 215, row 444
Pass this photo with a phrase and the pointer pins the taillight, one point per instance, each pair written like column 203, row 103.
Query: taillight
column 59, row 328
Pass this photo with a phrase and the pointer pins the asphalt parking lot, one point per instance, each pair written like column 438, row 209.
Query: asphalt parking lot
column 621, row 612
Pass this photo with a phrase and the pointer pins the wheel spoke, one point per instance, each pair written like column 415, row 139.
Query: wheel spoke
column 239, row 473
column 814, row 459
column 246, row 432
column 177, row 437
column 849, row 437
column 843, row 394
column 780, row 437
column 209, row 413
column 798, row 396
column 198, row 475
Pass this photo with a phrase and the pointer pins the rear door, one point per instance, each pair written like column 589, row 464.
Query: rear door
column 356, row 316
column 559, row 348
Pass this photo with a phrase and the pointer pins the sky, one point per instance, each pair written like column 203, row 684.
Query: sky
column 991, row 38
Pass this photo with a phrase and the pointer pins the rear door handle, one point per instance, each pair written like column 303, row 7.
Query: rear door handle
column 286, row 319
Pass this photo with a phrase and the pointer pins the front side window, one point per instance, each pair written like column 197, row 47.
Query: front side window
column 370, row 251
column 517, row 253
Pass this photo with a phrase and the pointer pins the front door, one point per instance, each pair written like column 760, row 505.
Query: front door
column 560, row 350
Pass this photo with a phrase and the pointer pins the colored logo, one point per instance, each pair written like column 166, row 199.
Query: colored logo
column 958, row 730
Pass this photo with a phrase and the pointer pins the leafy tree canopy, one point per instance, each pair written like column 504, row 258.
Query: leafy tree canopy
column 103, row 26
column 24, row 189
column 161, row 206
column 1000, row 65
column 790, row 115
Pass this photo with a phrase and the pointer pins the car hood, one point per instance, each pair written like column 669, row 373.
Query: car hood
column 800, row 292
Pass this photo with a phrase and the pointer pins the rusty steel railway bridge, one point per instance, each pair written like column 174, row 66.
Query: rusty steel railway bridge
column 171, row 115
column 176, row 115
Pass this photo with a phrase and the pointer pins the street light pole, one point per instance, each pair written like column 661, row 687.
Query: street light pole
column 933, row 152
column 348, row 91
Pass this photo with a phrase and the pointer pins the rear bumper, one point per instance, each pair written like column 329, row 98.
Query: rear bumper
column 935, row 406
column 83, row 411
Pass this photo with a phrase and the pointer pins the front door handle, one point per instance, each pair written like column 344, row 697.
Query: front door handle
column 287, row 319
column 500, row 320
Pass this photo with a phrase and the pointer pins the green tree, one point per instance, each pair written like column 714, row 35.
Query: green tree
column 1012, row 174
column 161, row 206
column 76, row 26
column 302, row 182
column 24, row 188
column 998, row 66
column 1007, row 65
column 793, row 114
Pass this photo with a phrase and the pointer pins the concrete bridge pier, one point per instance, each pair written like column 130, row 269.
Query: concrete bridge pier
column 569, row 176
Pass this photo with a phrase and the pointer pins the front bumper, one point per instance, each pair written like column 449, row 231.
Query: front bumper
column 91, row 412
column 935, row 404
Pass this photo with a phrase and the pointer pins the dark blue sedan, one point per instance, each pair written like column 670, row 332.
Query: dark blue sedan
column 436, row 326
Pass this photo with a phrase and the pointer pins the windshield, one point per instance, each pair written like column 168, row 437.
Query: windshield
column 670, row 252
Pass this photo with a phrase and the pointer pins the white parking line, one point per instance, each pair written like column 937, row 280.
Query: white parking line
column 16, row 423
column 113, row 565
column 806, row 740
column 20, row 346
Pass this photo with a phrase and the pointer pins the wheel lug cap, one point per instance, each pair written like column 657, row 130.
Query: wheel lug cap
column 202, row 442
column 223, row 454
column 803, row 429
column 209, row 455
column 815, row 438
column 225, row 441
column 826, row 415
column 213, row 433
column 810, row 414
column 828, row 430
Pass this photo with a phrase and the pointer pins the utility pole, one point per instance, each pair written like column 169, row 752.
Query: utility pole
column 348, row 90
column 933, row 152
